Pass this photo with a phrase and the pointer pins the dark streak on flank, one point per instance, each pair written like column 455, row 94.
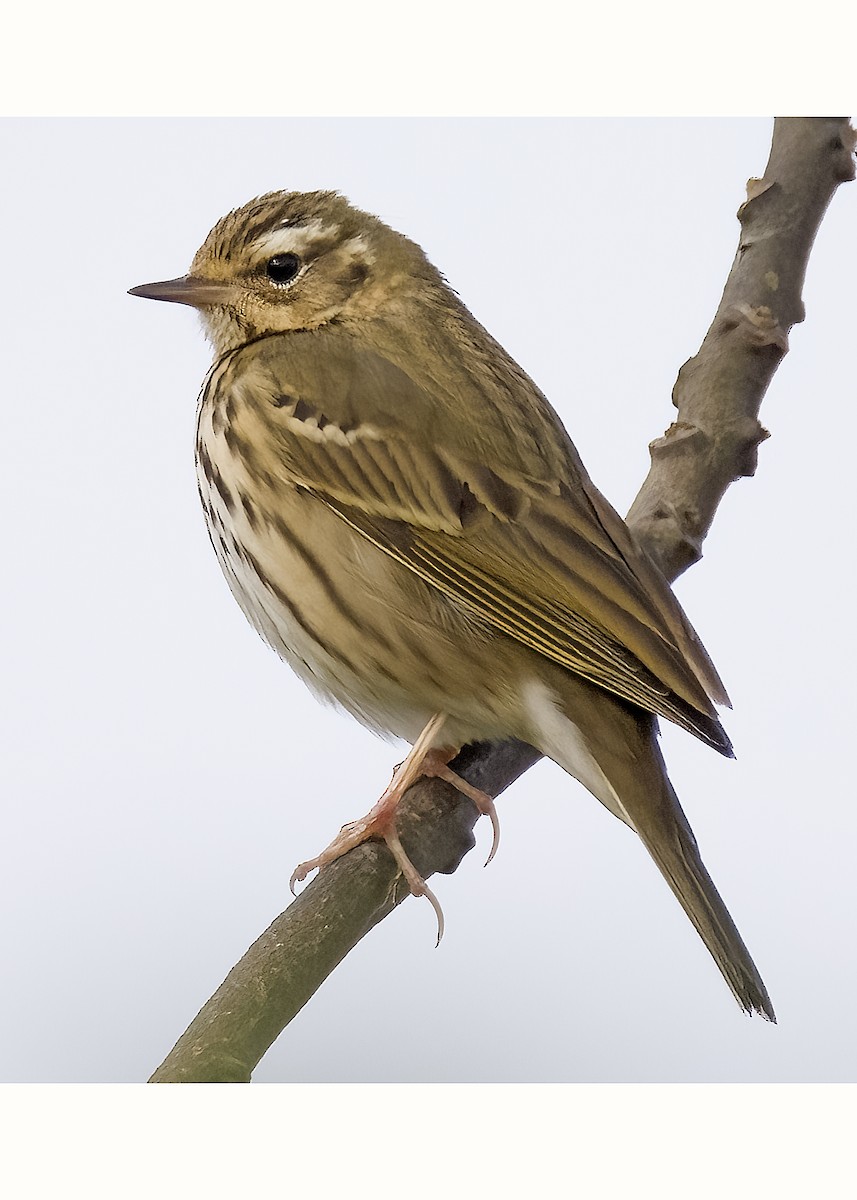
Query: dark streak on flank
column 215, row 522
column 249, row 511
column 212, row 474
column 204, row 459
column 238, row 549
column 223, row 491
column 294, row 612
column 335, row 596
column 247, row 455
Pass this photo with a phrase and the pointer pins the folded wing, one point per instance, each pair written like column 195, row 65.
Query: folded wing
column 527, row 543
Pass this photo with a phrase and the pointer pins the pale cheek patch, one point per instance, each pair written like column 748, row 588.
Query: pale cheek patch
column 358, row 247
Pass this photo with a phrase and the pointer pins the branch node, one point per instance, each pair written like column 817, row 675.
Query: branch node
column 758, row 324
column 751, row 434
column 843, row 146
column 755, row 189
column 680, row 437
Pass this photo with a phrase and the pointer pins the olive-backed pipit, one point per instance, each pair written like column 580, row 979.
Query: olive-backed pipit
column 401, row 514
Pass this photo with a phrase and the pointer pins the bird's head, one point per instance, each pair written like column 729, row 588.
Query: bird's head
column 294, row 260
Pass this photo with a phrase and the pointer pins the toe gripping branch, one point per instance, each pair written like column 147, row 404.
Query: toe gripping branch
column 424, row 759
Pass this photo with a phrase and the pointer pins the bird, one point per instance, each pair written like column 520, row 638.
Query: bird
column 402, row 516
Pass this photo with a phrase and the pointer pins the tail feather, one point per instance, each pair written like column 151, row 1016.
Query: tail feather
column 658, row 818
column 677, row 857
column 613, row 750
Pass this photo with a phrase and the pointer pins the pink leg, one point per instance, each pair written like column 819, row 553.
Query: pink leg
column 422, row 759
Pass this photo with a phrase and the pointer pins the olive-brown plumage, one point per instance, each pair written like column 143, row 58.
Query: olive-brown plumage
column 401, row 514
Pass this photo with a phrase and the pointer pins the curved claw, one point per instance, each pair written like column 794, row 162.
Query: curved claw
column 481, row 799
column 349, row 836
column 414, row 880
column 491, row 813
column 298, row 876
column 438, row 911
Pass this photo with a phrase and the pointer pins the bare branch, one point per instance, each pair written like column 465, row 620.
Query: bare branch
column 293, row 957
column 718, row 393
column 713, row 441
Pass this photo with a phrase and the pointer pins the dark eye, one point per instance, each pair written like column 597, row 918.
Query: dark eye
column 282, row 268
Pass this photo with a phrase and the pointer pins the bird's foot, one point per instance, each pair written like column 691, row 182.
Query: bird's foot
column 436, row 764
column 380, row 821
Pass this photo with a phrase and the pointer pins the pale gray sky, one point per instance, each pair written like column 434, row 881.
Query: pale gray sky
column 164, row 772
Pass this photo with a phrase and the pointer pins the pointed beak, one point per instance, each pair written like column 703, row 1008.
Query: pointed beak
column 187, row 289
